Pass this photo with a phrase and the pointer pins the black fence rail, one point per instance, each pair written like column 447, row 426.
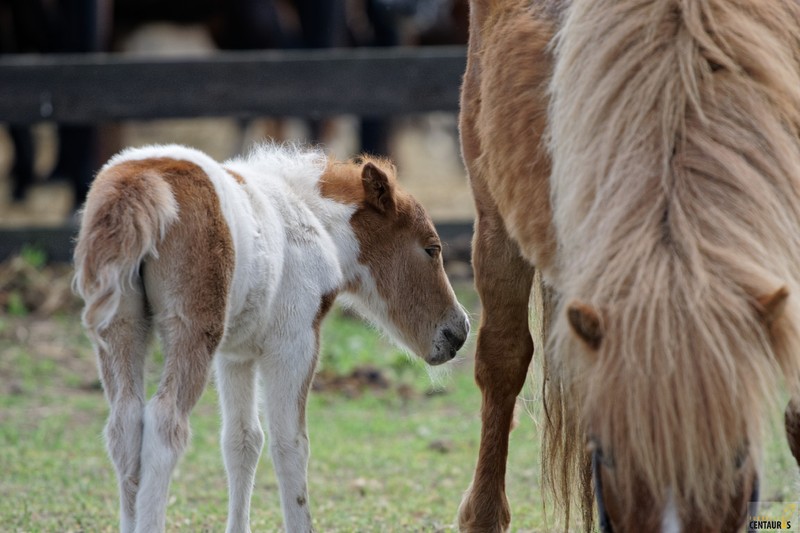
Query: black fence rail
column 101, row 87
column 96, row 88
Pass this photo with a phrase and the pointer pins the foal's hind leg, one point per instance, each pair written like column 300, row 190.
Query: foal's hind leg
column 188, row 350
column 121, row 364
column 792, row 421
column 242, row 436
column 187, row 288
column 188, row 297
column 504, row 351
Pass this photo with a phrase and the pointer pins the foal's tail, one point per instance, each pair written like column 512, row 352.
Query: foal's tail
column 126, row 215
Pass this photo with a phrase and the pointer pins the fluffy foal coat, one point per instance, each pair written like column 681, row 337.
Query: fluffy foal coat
column 662, row 208
column 237, row 264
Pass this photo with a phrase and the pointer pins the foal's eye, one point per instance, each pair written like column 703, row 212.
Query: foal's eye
column 433, row 250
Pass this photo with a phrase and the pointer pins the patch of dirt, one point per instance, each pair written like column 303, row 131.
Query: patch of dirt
column 39, row 290
column 28, row 341
column 358, row 381
column 40, row 331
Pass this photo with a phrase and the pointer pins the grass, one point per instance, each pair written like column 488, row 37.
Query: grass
column 390, row 458
column 396, row 458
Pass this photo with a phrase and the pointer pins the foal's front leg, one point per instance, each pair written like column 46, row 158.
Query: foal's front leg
column 504, row 351
column 242, row 436
column 286, row 374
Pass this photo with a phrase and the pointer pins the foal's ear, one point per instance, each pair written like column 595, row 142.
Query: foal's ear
column 587, row 323
column 378, row 190
column 770, row 307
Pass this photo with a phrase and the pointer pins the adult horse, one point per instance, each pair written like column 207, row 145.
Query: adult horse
column 643, row 156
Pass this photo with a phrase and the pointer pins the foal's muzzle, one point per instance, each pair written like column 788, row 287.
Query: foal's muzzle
column 455, row 340
column 449, row 339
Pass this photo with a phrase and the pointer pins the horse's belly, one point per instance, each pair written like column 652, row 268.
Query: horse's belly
column 515, row 67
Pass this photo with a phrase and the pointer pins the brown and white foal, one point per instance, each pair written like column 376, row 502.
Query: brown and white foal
column 238, row 264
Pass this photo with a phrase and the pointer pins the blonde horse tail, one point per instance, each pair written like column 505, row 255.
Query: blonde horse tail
column 126, row 215
column 559, row 447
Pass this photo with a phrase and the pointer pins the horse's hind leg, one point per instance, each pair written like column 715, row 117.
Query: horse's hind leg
column 504, row 351
column 242, row 436
column 121, row 365
column 188, row 349
column 190, row 317
column 792, row 422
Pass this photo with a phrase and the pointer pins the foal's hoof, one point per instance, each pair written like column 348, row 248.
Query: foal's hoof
column 478, row 514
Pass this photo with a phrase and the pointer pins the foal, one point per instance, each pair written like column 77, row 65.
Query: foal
column 237, row 264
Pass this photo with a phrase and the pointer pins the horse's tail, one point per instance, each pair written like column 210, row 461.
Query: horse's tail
column 126, row 215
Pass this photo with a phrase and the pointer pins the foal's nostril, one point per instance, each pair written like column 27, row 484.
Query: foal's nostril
column 455, row 341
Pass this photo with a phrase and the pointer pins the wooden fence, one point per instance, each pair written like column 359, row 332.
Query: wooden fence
column 313, row 83
column 96, row 88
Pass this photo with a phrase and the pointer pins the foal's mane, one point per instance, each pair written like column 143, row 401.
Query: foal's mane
column 676, row 201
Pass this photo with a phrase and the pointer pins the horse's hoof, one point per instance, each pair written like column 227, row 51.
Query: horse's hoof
column 488, row 516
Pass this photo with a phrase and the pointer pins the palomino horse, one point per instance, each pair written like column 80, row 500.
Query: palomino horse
column 643, row 156
column 238, row 264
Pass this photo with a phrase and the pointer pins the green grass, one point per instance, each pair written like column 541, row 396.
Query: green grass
column 391, row 459
column 383, row 459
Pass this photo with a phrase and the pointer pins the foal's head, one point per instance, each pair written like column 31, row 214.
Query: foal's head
column 401, row 283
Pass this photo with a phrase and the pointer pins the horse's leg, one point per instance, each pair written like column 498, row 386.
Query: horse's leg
column 504, row 351
column 792, row 422
column 286, row 373
column 242, row 436
column 187, row 289
column 503, row 280
column 121, row 364
column 188, row 350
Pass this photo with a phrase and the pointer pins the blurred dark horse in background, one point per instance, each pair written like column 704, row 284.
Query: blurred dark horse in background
column 81, row 26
